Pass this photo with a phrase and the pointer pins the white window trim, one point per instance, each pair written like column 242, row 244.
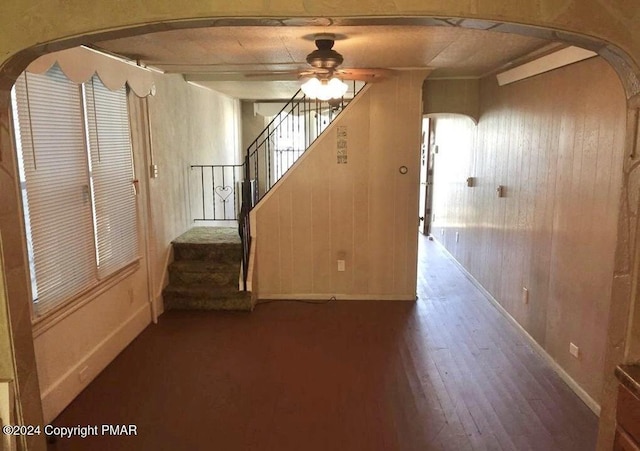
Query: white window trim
column 101, row 283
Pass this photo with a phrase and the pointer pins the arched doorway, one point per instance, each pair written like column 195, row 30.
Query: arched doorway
column 128, row 23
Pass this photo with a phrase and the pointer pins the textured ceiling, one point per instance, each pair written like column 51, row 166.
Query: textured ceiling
column 227, row 58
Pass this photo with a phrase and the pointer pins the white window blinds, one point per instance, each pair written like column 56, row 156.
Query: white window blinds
column 80, row 226
column 112, row 170
column 55, row 165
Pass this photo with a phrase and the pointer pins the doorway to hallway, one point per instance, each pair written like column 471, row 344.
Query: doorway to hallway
column 427, row 147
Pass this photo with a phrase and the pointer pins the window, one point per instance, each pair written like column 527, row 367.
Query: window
column 296, row 132
column 289, row 142
column 76, row 173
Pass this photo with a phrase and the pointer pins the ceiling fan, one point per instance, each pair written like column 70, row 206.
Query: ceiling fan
column 325, row 79
column 324, row 62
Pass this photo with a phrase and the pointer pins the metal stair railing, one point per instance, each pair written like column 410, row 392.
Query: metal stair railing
column 218, row 185
column 285, row 139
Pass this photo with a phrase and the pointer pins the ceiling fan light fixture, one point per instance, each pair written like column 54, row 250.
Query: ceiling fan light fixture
column 334, row 88
column 324, row 57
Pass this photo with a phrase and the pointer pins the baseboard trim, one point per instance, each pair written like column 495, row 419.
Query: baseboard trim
column 337, row 297
column 58, row 396
column 159, row 304
column 575, row 387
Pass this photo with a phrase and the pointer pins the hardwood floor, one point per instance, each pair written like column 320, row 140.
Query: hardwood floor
column 445, row 373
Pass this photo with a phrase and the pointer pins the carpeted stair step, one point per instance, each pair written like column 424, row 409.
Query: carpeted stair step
column 221, row 252
column 186, row 272
column 205, row 272
column 205, row 297
column 210, row 244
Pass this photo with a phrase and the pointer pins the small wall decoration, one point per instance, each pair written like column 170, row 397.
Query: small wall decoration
column 341, row 144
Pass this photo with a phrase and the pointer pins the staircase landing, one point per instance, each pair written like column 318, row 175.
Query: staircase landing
column 209, row 235
column 206, row 270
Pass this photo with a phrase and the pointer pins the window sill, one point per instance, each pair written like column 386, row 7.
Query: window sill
column 49, row 319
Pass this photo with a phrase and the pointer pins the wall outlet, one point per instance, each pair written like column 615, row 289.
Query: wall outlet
column 574, row 350
column 457, row 237
column 525, row 295
column 341, row 265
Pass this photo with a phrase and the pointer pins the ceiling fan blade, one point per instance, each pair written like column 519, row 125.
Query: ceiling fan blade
column 258, row 73
column 368, row 75
column 285, row 74
column 273, row 75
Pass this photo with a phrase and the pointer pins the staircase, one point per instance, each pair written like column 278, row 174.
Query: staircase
column 208, row 260
column 205, row 272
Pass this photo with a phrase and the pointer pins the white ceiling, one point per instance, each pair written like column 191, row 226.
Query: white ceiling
column 247, row 62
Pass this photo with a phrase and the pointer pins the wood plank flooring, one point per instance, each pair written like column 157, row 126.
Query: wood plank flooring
column 445, row 373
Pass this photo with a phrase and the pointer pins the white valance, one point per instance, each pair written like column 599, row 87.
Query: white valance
column 80, row 63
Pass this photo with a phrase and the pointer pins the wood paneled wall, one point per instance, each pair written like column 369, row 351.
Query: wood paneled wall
column 555, row 142
column 363, row 212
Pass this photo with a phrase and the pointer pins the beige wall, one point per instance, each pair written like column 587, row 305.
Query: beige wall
column 363, row 212
column 189, row 125
column 32, row 27
column 556, row 143
column 73, row 350
column 252, row 124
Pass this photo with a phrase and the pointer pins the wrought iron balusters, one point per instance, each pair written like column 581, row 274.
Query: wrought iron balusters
column 217, row 185
column 285, row 139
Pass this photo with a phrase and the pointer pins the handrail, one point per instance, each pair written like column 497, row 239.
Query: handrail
column 285, row 139
column 275, row 117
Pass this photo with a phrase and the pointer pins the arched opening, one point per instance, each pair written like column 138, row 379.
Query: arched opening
column 18, row 63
